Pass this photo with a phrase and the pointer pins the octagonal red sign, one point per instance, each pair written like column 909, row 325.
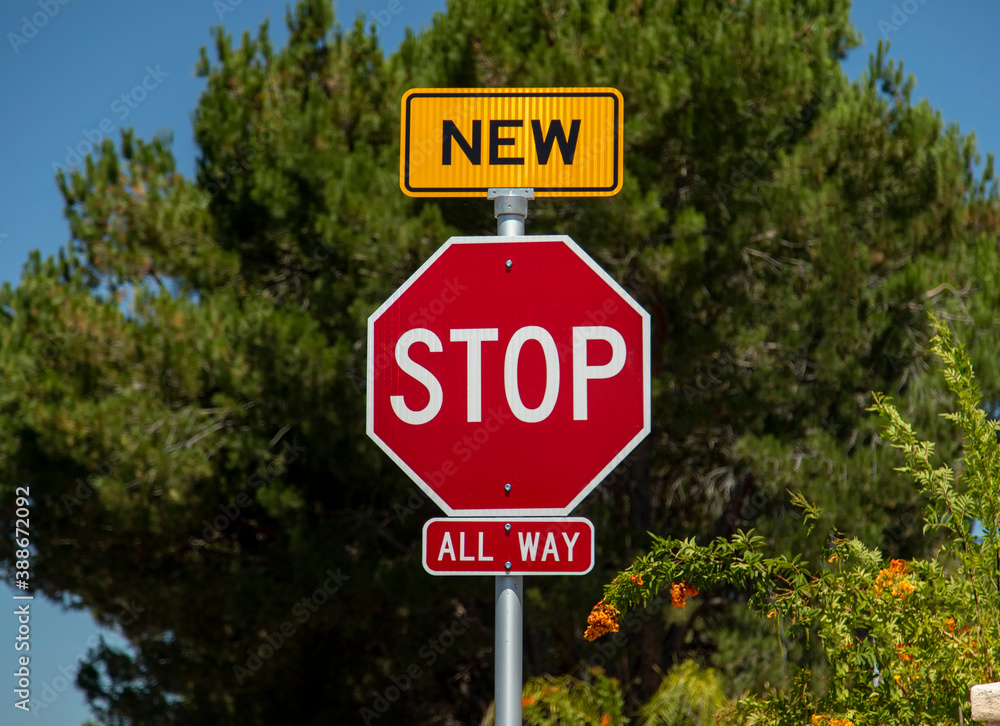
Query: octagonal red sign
column 508, row 374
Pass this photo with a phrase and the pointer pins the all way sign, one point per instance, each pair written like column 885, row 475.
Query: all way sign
column 560, row 142
column 517, row 546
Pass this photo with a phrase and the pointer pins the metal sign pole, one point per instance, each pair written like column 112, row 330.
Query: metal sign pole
column 511, row 209
column 508, row 644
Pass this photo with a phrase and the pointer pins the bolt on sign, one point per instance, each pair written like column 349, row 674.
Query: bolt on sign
column 560, row 142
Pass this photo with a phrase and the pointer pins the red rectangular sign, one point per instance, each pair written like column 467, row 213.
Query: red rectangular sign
column 510, row 546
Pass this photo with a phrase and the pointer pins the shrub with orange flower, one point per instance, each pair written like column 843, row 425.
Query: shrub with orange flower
column 903, row 639
column 603, row 619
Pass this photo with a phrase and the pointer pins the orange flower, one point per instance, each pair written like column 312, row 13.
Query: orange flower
column 602, row 619
column 527, row 701
column 677, row 595
column 681, row 591
column 892, row 580
column 636, row 579
column 605, row 719
column 821, row 719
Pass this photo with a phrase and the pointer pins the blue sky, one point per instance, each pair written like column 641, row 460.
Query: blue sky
column 66, row 82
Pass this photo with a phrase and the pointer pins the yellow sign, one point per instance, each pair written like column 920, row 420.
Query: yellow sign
column 561, row 142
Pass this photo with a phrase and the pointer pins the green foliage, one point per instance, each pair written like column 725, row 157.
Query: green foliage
column 904, row 640
column 688, row 696
column 567, row 701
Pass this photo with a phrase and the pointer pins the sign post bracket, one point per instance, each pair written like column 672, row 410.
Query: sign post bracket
column 510, row 206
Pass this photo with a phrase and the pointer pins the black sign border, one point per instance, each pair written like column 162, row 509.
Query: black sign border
column 509, row 94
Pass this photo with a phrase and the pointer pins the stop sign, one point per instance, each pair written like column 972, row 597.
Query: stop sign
column 508, row 375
